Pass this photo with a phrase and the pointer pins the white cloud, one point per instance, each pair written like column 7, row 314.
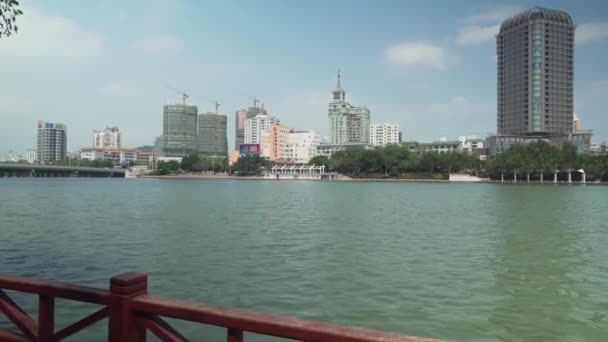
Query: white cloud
column 121, row 90
column 159, row 44
column 481, row 27
column 591, row 32
column 476, row 34
column 43, row 36
column 493, row 15
column 413, row 56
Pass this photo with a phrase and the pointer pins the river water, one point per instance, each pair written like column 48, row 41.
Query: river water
column 460, row 262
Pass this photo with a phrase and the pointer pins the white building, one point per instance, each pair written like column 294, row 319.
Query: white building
column 107, row 138
column 120, row 155
column 92, row 153
column 302, row 146
column 470, row 142
column 31, row 156
column 347, row 124
column 576, row 124
column 257, row 126
column 382, row 134
column 329, row 149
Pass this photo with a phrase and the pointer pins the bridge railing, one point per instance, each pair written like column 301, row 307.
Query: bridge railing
column 131, row 313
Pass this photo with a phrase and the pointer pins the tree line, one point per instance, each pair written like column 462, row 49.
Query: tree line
column 538, row 159
column 192, row 163
column 529, row 160
column 397, row 161
column 535, row 161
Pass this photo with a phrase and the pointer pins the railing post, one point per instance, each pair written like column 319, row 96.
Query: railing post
column 235, row 335
column 122, row 325
column 46, row 318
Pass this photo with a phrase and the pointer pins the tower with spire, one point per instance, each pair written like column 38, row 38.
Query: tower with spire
column 347, row 124
column 339, row 93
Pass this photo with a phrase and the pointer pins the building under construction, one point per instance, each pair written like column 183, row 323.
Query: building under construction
column 212, row 140
column 179, row 130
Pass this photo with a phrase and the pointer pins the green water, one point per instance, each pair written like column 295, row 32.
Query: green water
column 461, row 262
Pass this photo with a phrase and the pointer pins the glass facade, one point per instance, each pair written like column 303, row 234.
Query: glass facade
column 537, row 44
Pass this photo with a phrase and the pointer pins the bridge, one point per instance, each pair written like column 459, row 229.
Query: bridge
column 132, row 313
column 51, row 171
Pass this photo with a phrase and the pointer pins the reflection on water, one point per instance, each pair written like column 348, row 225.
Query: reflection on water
column 538, row 267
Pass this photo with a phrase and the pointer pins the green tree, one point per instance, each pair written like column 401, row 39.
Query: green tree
column 319, row 160
column 250, row 165
column 168, row 167
column 9, row 11
column 189, row 162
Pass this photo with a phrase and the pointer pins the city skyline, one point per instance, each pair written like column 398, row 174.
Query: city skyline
column 435, row 76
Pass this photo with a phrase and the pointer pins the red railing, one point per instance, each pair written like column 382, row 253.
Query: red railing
column 131, row 312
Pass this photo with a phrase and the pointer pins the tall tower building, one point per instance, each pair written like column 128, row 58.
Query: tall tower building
column 108, row 138
column 535, row 52
column 52, row 142
column 179, row 130
column 347, row 124
column 212, row 139
column 239, row 131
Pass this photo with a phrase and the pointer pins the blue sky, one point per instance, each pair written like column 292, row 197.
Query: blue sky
column 427, row 65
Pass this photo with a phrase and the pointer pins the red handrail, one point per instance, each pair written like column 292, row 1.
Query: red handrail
column 132, row 312
column 56, row 289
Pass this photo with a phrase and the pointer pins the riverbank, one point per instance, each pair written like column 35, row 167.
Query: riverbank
column 366, row 180
column 202, row 176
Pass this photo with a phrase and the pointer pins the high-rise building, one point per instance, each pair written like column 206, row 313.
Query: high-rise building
column 52, row 142
column 302, row 146
column 179, row 130
column 347, row 124
column 107, row 138
column 212, row 140
column 535, row 57
column 239, row 127
column 535, row 53
column 274, row 142
column 241, row 116
column 382, row 134
column 256, row 126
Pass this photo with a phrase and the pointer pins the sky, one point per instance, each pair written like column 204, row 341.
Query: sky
column 429, row 66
